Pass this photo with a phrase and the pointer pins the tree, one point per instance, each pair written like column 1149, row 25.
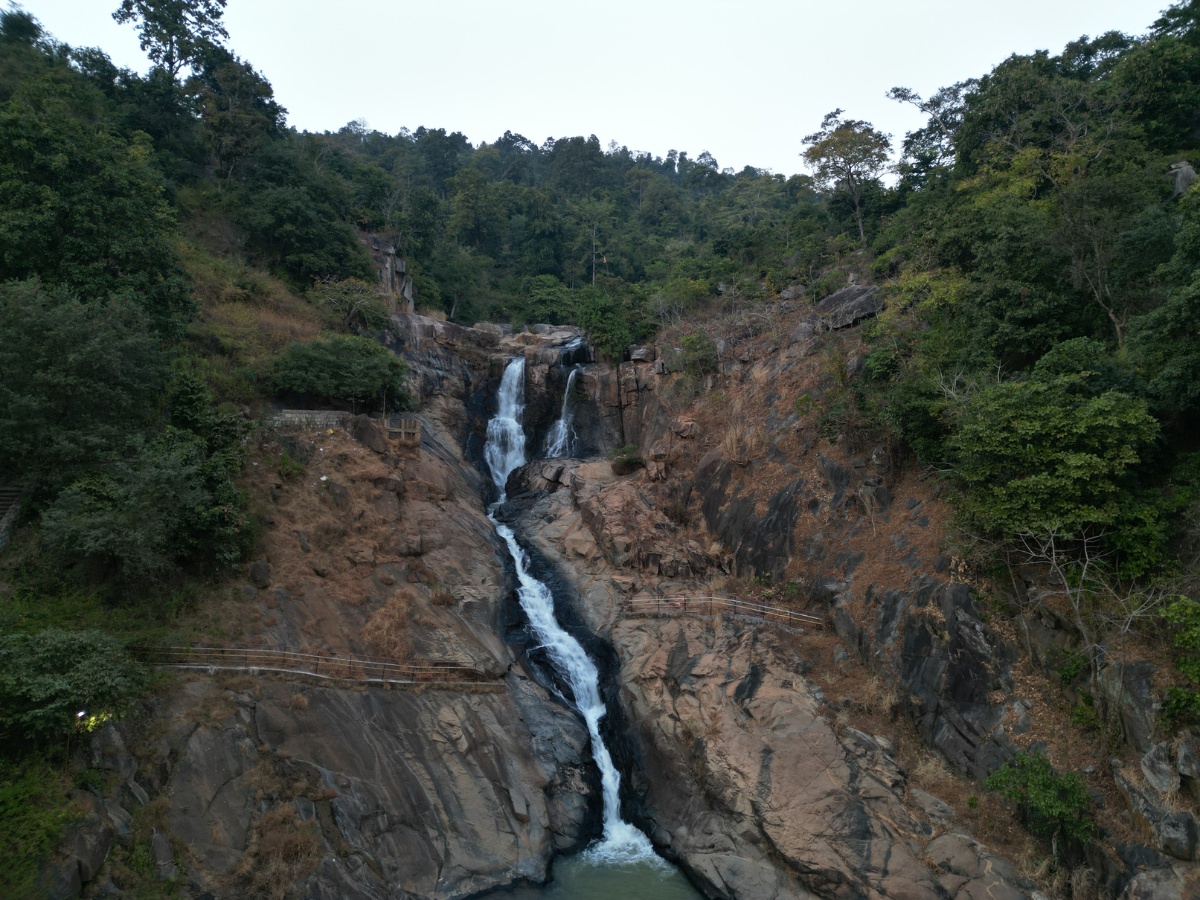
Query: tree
column 84, row 207
column 174, row 33
column 1046, row 455
column 237, row 107
column 1052, row 806
column 77, row 381
column 848, row 155
column 344, row 368
column 56, row 682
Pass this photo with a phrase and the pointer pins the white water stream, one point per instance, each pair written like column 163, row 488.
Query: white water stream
column 505, row 451
column 558, row 441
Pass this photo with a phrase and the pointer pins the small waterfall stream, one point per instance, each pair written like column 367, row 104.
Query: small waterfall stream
column 623, row 862
column 504, row 452
column 561, row 436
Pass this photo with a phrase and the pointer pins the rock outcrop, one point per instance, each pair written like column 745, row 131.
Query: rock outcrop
column 740, row 768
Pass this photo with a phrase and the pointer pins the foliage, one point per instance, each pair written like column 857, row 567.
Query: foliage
column 344, row 369
column 55, row 683
column 606, row 328
column 352, row 303
column 34, row 811
column 699, row 356
column 1043, row 454
column 1184, row 615
column 77, row 380
column 83, row 207
column 1052, row 806
column 848, row 154
column 173, row 33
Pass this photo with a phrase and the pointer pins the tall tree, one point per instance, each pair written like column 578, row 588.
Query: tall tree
column 174, row 33
column 848, row 154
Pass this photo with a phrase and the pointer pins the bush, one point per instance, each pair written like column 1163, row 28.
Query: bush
column 34, row 810
column 1051, row 806
column 56, row 683
column 699, row 354
column 344, row 369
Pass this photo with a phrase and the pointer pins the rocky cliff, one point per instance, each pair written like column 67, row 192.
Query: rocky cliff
column 844, row 762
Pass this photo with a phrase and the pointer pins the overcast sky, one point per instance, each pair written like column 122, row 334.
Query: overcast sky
column 745, row 80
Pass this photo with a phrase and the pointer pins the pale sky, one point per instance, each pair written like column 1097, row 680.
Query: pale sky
column 745, row 80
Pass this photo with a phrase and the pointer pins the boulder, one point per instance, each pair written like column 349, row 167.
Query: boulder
column 847, row 306
column 1159, row 769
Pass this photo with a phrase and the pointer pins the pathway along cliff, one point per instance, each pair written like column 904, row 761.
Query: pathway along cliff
column 623, row 860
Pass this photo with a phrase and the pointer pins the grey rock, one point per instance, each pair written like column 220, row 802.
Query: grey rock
column 121, row 819
column 164, row 860
column 802, row 332
column 1156, row 884
column 260, row 574
column 60, row 880
column 1175, row 833
column 1129, row 688
column 1187, row 763
column 938, row 811
column 847, row 306
column 370, row 433
column 91, row 837
column 1158, row 769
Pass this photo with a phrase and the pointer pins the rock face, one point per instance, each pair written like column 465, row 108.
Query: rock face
column 436, row 795
column 780, row 802
column 740, row 770
column 328, row 790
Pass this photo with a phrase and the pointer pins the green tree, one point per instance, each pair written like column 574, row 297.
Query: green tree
column 174, row 33
column 347, row 369
column 237, row 108
column 1045, row 454
column 77, row 381
column 55, row 683
column 1052, row 806
column 82, row 207
column 848, row 155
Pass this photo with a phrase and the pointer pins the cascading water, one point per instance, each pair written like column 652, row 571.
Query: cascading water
column 505, row 451
column 558, row 441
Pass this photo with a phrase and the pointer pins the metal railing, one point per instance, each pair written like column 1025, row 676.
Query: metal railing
column 314, row 665
column 713, row 606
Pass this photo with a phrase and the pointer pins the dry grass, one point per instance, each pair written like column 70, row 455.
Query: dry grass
column 281, row 853
column 387, row 631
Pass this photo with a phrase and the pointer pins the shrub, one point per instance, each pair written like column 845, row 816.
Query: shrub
column 345, row 369
column 56, row 683
column 1051, row 806
column 34, row 810
column 699, row 354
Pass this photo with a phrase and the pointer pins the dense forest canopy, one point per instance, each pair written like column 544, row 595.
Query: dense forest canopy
column 1037, row 243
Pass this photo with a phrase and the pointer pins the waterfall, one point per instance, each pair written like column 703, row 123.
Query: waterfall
column 505, row 447
column 504, row 452
column 558, row 441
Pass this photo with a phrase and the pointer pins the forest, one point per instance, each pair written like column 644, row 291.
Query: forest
column 174, row 257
